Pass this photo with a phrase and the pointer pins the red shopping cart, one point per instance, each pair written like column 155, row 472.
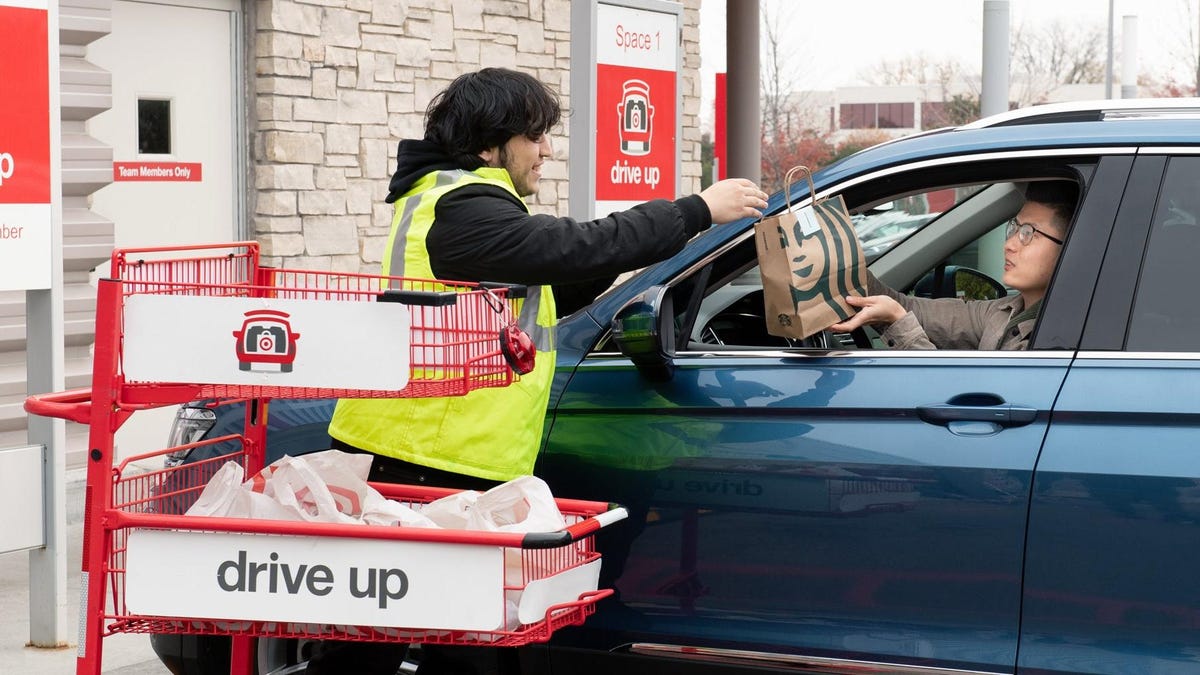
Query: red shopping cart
column 179, row 324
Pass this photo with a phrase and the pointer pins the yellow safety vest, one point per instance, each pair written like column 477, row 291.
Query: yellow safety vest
column 492, row 433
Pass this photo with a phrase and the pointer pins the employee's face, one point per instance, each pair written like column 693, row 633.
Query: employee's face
column 523, row 158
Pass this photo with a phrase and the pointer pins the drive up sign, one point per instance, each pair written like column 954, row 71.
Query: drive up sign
column 625, row 78
column 24, row 146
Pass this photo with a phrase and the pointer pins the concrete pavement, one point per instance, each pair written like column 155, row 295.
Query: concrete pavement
column 123, row 654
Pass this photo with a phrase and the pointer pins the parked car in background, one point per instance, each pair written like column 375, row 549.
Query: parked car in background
column 835, row 506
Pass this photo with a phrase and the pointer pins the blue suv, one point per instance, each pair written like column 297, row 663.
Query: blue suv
column 836, row 506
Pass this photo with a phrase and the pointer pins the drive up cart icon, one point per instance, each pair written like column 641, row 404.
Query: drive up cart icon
column 636, row 115
column 266, row 341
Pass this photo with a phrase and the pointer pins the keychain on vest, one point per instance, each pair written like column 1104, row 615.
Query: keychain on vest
column 515, row 344
column 518, row 349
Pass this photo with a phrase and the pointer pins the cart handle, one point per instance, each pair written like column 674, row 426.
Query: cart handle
column 73, row 404
column 575, row 532
column 586, row 598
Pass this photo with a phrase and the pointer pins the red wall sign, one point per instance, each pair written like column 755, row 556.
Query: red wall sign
column 637, row 100
column 719, row 131
column 635, row 134
column 189, row 172
column 24, row 107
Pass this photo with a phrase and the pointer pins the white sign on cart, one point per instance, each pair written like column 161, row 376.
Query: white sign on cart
column 324, row 580
column 260, row 341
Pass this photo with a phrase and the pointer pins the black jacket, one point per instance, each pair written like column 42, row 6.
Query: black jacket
column 484, row 233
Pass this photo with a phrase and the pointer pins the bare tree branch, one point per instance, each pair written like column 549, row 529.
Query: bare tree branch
column 1054, row 55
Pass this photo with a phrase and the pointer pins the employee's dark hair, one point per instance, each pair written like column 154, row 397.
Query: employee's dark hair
column 1060, row 196
column 486, row 108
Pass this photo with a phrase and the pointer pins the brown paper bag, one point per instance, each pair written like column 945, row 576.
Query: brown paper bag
column 810, row 260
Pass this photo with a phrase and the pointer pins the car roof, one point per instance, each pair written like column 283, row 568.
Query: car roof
column 1085, row 124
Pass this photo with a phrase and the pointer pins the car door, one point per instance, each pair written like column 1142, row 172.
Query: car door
column 1114, row 534
column 812, row 506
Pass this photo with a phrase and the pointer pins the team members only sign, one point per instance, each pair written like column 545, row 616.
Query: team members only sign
column 24, row 145
column 636, row 100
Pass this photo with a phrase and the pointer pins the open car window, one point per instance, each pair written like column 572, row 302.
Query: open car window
column 910, row 241
column 881, row 226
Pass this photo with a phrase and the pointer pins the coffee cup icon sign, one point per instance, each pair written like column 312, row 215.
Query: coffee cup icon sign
column 636, row 114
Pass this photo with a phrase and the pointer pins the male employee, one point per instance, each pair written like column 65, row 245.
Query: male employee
column 460, row 215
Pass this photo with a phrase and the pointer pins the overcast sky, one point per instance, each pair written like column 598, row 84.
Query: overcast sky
column 834, row 42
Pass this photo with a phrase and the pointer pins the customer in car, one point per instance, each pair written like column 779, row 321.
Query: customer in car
column 1034, row 240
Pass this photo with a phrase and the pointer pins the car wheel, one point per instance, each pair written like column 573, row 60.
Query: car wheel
column 280, row 656
column 192, row 654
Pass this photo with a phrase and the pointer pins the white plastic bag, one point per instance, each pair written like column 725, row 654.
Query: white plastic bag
column 523, row 504
column 451, row 511
column 323, row 487
column 226, row 496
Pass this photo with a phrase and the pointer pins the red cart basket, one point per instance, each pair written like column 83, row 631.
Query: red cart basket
column 185, row 323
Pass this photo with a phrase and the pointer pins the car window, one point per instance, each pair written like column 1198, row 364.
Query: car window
column 730, row 314
column 882, row 226
column 1166, row 308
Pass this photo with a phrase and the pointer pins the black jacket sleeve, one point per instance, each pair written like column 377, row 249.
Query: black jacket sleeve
column 483, row 233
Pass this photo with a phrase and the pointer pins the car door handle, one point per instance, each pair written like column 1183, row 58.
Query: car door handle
column 977, row 408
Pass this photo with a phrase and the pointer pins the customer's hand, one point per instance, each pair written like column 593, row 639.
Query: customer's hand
column 734, row 198
column 873, row 309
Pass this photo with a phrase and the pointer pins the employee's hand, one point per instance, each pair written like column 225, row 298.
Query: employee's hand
column 734, row 198
column 873, row 309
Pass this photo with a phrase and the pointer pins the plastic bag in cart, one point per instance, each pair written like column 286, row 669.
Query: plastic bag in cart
column 321, row 487
column 523, row 504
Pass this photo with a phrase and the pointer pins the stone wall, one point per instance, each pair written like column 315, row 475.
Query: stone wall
column 337, row 83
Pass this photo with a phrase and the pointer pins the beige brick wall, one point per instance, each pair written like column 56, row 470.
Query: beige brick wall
column 337, row 83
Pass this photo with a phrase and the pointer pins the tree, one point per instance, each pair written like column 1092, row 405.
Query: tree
column 960, row 109
column 1168, row 88
column 706, row 161
column 917, row 69
column 1186, row 52
column 938, row 79
column 787, row 137
column 1044, row 59
column 859, row 140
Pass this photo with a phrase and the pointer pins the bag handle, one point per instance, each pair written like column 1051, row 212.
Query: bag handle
column 787, row 184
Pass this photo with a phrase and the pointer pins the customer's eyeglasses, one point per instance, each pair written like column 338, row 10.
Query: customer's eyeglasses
column 1024, row 232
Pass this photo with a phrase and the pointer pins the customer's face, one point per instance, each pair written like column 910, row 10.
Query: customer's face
column 523, row 159
column 1028, row 267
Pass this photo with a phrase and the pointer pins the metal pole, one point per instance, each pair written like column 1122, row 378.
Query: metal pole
column 993, row 99
column 743, row 140
column 48, row 623
column 1129, row 57
column 1108, row 69
column 994, row 96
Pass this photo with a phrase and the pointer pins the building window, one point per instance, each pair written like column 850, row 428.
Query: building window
column 857, row 115
column 895, row 116
column 934, row 114
column 876, row 115
column 154, row 127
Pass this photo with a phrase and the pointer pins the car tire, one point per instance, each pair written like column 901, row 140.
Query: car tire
column 193, row 654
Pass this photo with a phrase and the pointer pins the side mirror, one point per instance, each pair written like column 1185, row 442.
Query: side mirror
column 972, row 284
column 953, row 281
column 644, row 332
